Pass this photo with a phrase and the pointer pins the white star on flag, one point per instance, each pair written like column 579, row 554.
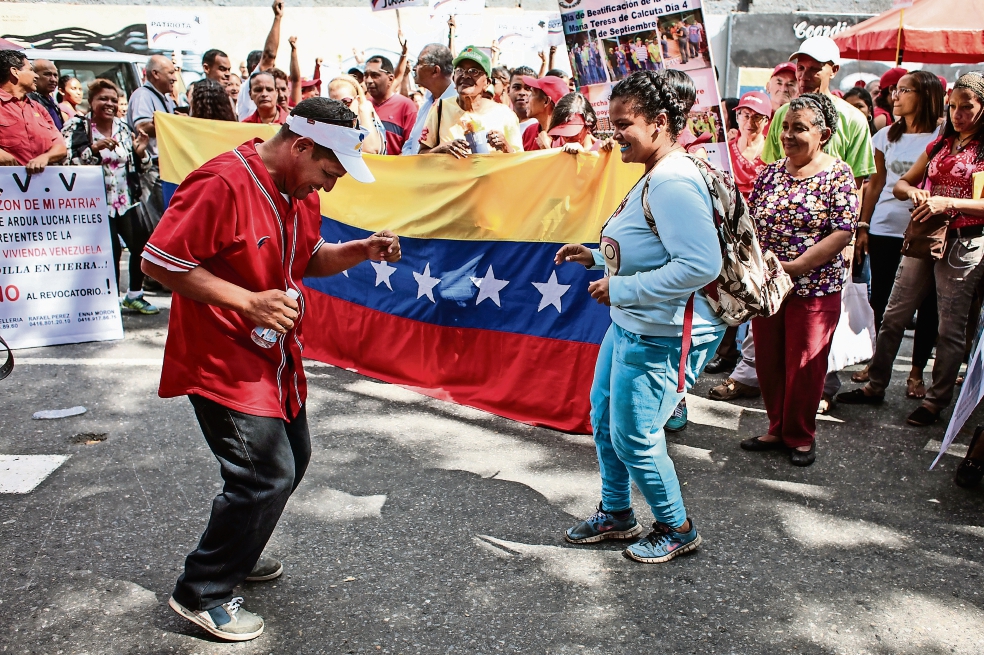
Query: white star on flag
column 426, row 283
column 551, row 291
column 345, row 272
column 383, row 273
column 489, row 287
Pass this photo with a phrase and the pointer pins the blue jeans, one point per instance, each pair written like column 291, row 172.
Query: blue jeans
column 633, row 395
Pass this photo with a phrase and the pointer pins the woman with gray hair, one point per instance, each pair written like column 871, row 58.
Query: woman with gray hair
column 940, row 187
column 806, row 210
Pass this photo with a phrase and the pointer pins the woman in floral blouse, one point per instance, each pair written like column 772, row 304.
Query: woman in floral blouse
column 100, row 138
column 806, row 209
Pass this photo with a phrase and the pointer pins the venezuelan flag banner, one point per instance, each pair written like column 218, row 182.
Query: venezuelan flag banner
column 476, row 312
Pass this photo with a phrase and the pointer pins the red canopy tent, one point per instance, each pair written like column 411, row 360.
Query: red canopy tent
column 932, row 32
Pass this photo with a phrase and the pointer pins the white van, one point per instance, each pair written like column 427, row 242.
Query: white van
column 126, row 70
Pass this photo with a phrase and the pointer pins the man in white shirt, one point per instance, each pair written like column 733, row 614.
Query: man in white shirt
column 433, row 74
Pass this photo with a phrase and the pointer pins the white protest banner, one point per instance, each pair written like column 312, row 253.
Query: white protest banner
column 57, row 283
column 177, row 29
column 382, row 5
column 555, row 30
column 971, row 393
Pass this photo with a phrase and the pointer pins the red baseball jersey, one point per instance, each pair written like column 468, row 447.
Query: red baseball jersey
column 229, row 218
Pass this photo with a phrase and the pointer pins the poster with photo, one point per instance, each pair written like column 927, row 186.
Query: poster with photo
column 608, row 40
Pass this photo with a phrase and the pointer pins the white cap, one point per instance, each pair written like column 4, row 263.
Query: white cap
column 345, row 142
column 821, row 48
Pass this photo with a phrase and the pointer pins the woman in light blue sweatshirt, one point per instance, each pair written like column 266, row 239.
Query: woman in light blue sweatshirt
column 653, row 272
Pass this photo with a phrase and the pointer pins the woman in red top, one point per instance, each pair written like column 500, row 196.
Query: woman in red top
column 753, row 112
column 949, row 162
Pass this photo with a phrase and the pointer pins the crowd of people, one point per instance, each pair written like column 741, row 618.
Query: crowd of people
column 873, row 186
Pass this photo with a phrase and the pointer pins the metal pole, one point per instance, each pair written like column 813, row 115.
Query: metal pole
column 898, row 40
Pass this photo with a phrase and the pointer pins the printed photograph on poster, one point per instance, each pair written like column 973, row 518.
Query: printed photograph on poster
column 706, row 125
column 684, row 40
column 633, row 52
column 587, row 62
column 705, row 84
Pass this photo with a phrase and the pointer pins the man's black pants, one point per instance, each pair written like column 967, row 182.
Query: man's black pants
column 262, row 461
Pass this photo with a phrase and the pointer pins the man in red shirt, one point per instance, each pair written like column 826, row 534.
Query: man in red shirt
column 239, row 236
column 28, row 136
column 397, row 113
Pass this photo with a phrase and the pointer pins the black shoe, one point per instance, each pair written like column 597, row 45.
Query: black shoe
column 970, row 471
column 859, row 397
column 266, row 568
column 718, row 365
column 922, row 417
column 755, row 444
column 801, row 458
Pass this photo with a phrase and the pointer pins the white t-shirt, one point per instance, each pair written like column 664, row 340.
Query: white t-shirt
column 891, row 216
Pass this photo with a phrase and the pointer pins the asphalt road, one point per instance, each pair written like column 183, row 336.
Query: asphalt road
column 426, row 527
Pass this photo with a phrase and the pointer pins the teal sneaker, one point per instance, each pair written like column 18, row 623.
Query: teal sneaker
column 663, row 544
column 229, row 622
column 602, row 525
column 139, row 305
column 678, row 421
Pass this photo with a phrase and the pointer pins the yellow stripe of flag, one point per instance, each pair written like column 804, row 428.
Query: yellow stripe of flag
column 539, row 196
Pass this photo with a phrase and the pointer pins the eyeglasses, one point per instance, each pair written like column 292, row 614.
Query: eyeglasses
column 901, row 90
column 346, row 101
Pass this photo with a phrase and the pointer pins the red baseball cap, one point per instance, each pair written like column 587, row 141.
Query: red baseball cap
column 307, row 84
column 784, row 67
column 572, row 127
column 891, row 77
column 554, row 87
column 757, row 102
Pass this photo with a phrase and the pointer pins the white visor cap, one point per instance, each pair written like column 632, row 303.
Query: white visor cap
column 345, row 142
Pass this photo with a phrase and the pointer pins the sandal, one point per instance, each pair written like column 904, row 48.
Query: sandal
column 970, row 471
column 862, row 375
column 914, row 388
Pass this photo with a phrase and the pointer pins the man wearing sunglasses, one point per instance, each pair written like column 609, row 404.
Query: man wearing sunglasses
column 433, row 74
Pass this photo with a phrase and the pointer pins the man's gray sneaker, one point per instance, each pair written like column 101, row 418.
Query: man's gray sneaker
column 266, row 568
column 602, row 525
column 229, row 622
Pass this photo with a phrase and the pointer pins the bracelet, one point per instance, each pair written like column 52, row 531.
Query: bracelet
column 864, row 225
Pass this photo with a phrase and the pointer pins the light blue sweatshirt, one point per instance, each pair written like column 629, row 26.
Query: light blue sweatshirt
column 651, row 277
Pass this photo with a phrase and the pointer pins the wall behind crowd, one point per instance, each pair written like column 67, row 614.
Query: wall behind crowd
column 327, row 30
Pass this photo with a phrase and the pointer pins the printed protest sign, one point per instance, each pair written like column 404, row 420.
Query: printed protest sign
column 177, row 29
column 608, row 40
column 57, row 283
column 381, row 5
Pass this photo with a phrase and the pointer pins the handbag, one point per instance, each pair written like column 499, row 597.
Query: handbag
column 926, row 239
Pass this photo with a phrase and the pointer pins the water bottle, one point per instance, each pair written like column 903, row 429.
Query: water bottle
column 267, row 337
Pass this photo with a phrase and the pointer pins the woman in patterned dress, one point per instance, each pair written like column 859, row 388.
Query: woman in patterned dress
column 806, row 210
column 101, row 138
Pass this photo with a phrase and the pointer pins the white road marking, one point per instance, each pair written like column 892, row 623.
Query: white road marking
column 21, row 474
column 957, row 449
column 798, row 488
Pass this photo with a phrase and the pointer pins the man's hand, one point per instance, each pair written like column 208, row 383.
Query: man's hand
column 7, row 159
column 930, row 206
column 292, row 40
column 599, row 291
column 459, row 148
column 574, row 252
column 497, row 140
column 403, row 41
column 271, row 309
column 318, row 62
column 860, row 245
column 543, row 56
column 37, row 164
column 383, row 246
column 278, row 8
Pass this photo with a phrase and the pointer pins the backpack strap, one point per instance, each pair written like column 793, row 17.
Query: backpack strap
column 688, row 328
column 8, row 366
column 646, row 212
